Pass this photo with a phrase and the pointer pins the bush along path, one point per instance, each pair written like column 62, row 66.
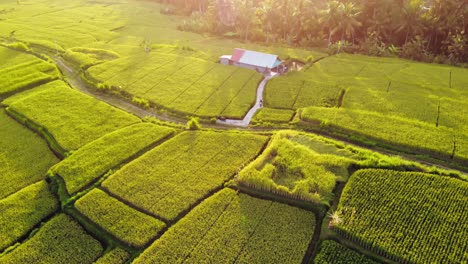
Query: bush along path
column 258, row 105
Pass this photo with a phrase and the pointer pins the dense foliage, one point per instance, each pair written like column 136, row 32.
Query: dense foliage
column 332, row 252
column 405, row 216
column 235, row 228
column 60, row 240
column 172, row 177
column 419, row 29
column 73, row 118
column 95, row 159
column 24, row 156
column 23, row 210
column 127, row 224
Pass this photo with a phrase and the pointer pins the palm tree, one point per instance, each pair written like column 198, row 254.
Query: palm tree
column 340, row 17
column 410, row 19
column 348, row 20
column 329, row 18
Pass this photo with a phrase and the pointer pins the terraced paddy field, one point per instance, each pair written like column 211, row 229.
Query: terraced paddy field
column 85, row 181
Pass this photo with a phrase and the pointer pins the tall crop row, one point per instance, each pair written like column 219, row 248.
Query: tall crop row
column 235, row 228
column 172, row 177
column 96, row 158
column 332, row 252
column 404, row 216
column 60, row 240
column 127, row 224
column 73, row 118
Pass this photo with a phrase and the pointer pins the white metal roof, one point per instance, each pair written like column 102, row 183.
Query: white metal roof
column 257, row 58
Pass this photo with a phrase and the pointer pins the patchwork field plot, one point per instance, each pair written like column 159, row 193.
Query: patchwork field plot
column 127, row 224
column 421, row 136
column 293, row 170
column 115, row 256
column 272, row 115
column 259, row 231
column 406, row 216
column 23, row 210
column 184, row 84
column 24, row 156
column 21, row 71
column 33, row 22
column 391, row 86
column 332, row 252
column 73, row 118
column 173, row 176
column 96, row 158
column 61, row 240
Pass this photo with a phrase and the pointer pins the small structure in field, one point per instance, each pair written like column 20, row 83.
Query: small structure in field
column 261, row 62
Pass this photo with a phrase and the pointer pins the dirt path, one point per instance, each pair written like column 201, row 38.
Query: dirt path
column 258, row 105
column 74, row 79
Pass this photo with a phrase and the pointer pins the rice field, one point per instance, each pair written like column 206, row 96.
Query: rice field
column 171, row 178
column 23, row 210
column 72, row 118
column 259, row 231
column 95, row 159
column 60, row 240
column 24, row 156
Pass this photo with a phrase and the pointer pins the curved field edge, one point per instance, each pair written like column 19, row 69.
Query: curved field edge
column 450, row 150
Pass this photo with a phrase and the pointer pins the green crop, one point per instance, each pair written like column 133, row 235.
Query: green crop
column 332, row 252
column 23, row 210
column 26, row 75
column 173, row 176
column 99, row 156
column 24, row 156
column 61, row 240
column 127, row 224
column 290, row 169
column 405, row 216
column 415, row 135
column 272, row 115
column 73, row 118
column 115, row 256
column 228, row 228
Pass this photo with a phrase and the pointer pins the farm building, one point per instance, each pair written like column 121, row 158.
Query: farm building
column 261, row 62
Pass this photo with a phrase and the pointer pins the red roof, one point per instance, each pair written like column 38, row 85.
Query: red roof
column 237, row 55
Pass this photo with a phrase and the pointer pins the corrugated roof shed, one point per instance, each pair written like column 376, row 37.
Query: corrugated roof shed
column 255, row 58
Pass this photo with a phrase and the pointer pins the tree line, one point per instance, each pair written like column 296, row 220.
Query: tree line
column 425, row 30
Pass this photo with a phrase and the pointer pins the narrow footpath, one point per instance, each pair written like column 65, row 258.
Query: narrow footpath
column 258, row 105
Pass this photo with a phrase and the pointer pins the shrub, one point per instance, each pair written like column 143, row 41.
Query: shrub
column 193, row 123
